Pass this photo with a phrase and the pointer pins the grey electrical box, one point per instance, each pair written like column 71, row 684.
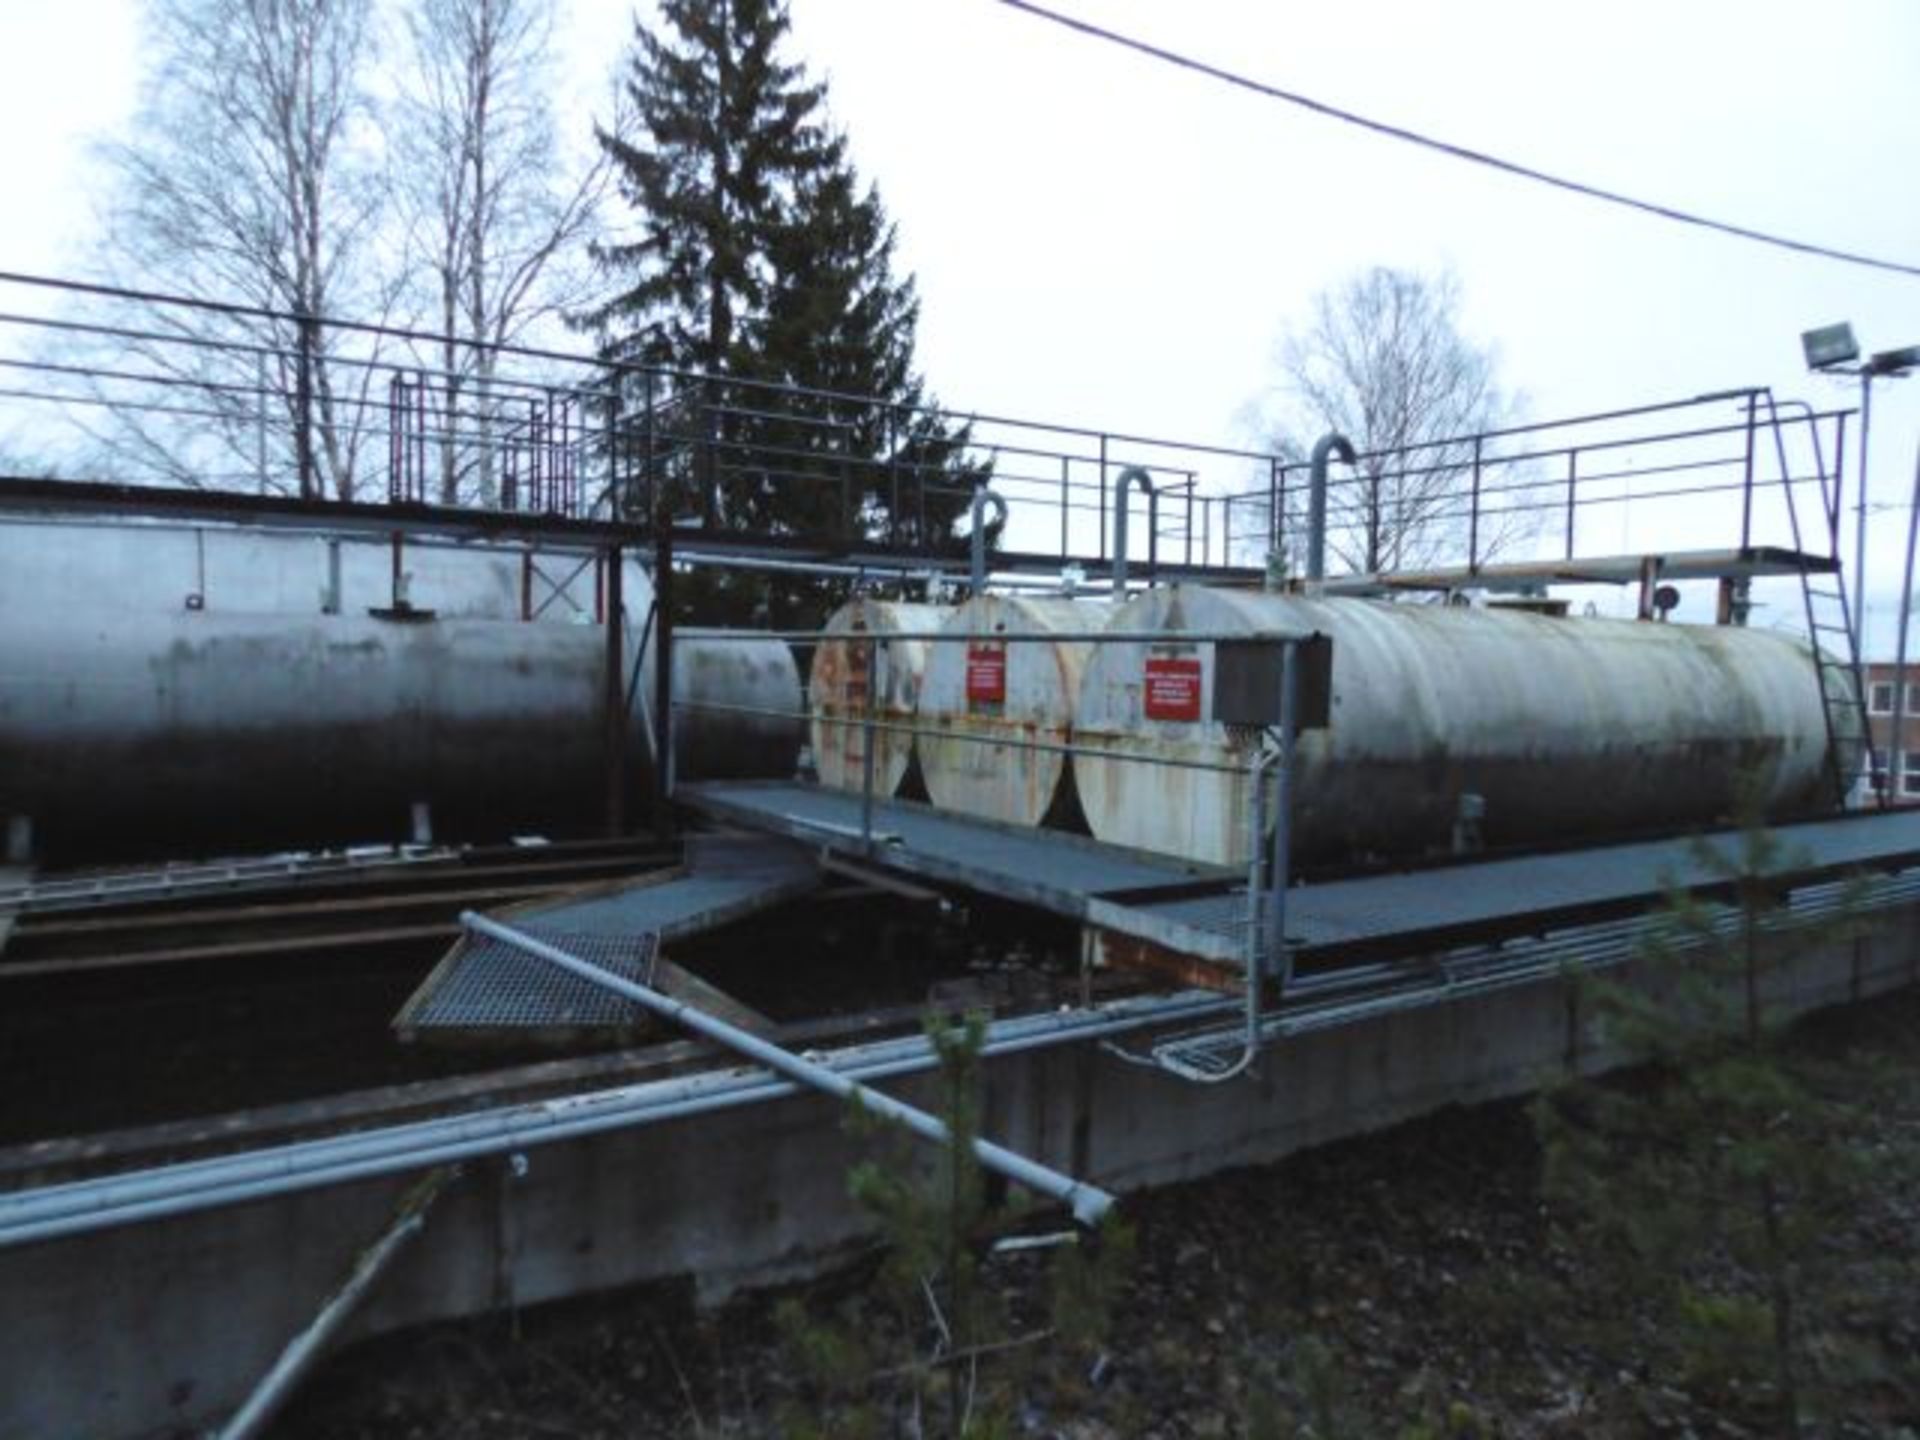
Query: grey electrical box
column 1246, row 682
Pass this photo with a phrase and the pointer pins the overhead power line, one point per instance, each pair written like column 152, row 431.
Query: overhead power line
column 1458, row 152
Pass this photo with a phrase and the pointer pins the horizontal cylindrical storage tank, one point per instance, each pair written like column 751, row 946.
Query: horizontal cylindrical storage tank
column 1562, row 727
column 133, row 721
column 839, row 686
column 982, row 696
column 153, row 567
column 738, row 708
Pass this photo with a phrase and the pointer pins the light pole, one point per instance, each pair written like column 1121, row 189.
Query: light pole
column 1833, row 350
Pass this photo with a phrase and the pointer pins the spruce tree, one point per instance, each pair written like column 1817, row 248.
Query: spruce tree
column 763, row 262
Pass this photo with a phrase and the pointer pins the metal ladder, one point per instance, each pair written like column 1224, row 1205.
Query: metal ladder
column 1829, row 621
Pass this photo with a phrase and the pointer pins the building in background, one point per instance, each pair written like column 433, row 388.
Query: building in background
column 1879, row 681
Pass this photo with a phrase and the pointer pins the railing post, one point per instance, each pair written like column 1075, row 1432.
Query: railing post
column 1273, row 509
column 303, row 401
column 1189, row 521
column 1066, row 507
column 890, row 435
column 663, row 669
column 1101, row 553
column 1473, row 514
column 648, row 481
column 1573, row 471
column 1746, row 481
column 866, row 744
column 616, row 694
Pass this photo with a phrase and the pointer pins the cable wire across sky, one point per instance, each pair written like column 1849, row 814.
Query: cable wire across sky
column 1459, row 152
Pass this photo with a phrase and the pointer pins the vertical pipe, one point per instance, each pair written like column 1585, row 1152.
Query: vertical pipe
column 1279, row 958
column 616, row 694
column 1860, row 516
column 1253, row 952
column 977, row 540
column 1131, row 477
column 1324, row 451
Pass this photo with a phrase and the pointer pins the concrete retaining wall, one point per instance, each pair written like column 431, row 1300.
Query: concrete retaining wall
column 150, row 1329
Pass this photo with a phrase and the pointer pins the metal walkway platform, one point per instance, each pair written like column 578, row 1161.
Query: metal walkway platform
column 1753, row 562
column 1064, row 874
column 1200, row 911
column 481, row 987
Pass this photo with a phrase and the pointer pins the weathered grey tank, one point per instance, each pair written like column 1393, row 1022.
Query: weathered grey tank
column 168, row 689
column 1563, row 727
column 848, row 674
column 982, row 697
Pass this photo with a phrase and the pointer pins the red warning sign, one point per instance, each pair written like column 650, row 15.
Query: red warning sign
column 986, row 675
column 1173, row 689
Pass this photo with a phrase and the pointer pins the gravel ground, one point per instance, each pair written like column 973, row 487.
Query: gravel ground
column 1410, row 1283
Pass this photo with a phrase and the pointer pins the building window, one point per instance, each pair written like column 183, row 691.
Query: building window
column 1910, row 774
column 1880, row 698
column 1913, row 698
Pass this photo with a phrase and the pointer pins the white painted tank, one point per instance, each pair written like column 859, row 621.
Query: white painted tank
column 1020, row 690
column 838, row 686
column 1564, row 727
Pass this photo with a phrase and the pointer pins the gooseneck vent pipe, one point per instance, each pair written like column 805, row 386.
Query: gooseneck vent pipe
column 1131, row 476
column 1330, row 445
column 983, row 498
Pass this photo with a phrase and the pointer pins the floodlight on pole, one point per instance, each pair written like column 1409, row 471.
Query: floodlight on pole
column 1830, row 346
column 1894, row 362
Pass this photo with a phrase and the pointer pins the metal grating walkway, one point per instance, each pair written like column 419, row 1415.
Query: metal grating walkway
column 1201, row 911
column 486, row 985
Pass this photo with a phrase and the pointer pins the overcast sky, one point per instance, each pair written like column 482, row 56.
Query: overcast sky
column 1103, row 240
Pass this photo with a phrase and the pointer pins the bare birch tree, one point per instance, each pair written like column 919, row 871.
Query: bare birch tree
column 254, row 176
column 498, row 231
column 1382, row 361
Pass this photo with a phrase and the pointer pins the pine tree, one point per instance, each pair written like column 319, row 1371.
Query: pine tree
column 1708, row 1184
column 763, row 262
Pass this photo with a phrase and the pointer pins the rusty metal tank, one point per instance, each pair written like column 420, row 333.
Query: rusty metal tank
column 838, row 686
column 980, row 693
column 170, row 689
column 1561, row 727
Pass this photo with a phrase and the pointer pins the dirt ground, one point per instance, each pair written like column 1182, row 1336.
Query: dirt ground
column 1411, row 1283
